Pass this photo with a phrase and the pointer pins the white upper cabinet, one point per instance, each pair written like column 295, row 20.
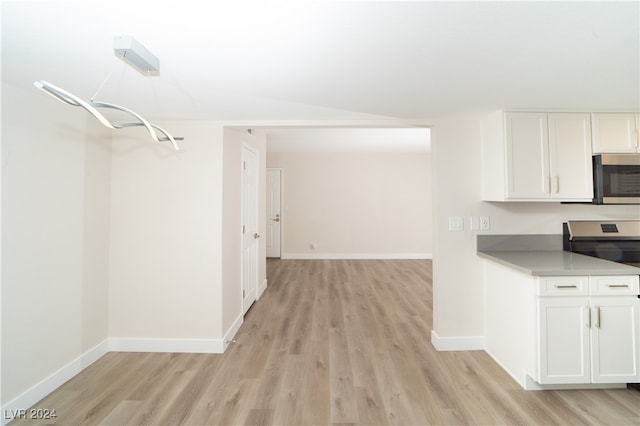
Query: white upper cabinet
column 570, row 156
column 527, row 138
column 616, row 133
column 537, row 156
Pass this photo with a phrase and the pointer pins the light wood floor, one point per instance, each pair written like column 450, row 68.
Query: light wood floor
column 330, row 342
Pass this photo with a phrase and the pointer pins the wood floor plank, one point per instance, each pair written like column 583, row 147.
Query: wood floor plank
column 343, row 406
column 164, row 390
column 122, row 413
column 401, row 407
column 291, row 398
column 340, row 342
column 317, row 405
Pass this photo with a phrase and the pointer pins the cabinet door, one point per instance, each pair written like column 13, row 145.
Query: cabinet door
column 615, row 345
column 527, row 155
column 570, row 164
column 615, row 133
column 563, row 337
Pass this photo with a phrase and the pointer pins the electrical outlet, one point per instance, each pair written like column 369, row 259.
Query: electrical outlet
column 485, row 223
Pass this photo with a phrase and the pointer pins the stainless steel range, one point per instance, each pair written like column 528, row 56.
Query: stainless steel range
column 618, row 241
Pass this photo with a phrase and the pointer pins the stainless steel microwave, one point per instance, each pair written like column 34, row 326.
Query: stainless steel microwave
column 616, row 179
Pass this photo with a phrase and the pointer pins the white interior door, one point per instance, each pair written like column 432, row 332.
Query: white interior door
column 274, row 214
column 250, row 235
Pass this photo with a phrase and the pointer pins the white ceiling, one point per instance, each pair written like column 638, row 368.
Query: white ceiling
column 332, row 60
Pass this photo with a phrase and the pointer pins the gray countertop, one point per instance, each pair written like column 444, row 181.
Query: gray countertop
column 557, row 263
column 542, row 255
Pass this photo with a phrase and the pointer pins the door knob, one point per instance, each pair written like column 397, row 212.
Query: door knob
column 256, row 235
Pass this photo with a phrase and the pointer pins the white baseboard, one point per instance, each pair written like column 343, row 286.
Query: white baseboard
column 231, row 332
column 358, row 256
column 262, row 288
column 49, row 384
column 134, row 344
column 205, row 346
column 462, row 343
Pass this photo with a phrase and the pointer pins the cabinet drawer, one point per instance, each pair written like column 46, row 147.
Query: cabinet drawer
column 563, row 286
column 614, row 285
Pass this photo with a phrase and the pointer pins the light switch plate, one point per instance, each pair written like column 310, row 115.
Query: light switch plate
column 456, row 223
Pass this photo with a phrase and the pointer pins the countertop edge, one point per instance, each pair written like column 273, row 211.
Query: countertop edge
column 496, row 258
column 589, row 265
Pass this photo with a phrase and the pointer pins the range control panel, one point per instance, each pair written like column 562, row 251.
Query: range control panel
column 609, row 228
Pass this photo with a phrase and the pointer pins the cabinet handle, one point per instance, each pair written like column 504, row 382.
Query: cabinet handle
column 566, row 286
column 546, row 185
column 597, row 321
column 618, row 285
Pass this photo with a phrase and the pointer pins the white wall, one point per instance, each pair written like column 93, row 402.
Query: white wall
column 55, row 221
column 175, row 241
column 458, row 286
column 166, row 251
column 356, row 204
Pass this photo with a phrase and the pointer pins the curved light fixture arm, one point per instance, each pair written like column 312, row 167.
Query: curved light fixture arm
column 70, row 99
column 143, row 122
column 166, row 137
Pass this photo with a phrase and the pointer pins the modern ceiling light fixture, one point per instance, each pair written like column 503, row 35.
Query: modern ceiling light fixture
column 137, row 56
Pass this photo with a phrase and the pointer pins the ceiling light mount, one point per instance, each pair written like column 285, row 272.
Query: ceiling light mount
column 136, row 55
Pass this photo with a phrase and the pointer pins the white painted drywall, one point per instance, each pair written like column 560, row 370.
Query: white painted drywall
column 166, row 240
column 355, row 204
column 55, row 221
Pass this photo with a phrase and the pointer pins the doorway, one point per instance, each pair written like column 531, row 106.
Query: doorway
column 274, row 213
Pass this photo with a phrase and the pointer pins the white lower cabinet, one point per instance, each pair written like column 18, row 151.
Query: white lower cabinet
column 614, row 340
column 587, row 333
column 564, row 348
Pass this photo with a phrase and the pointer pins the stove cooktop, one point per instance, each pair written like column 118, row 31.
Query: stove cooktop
column 617, row 241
